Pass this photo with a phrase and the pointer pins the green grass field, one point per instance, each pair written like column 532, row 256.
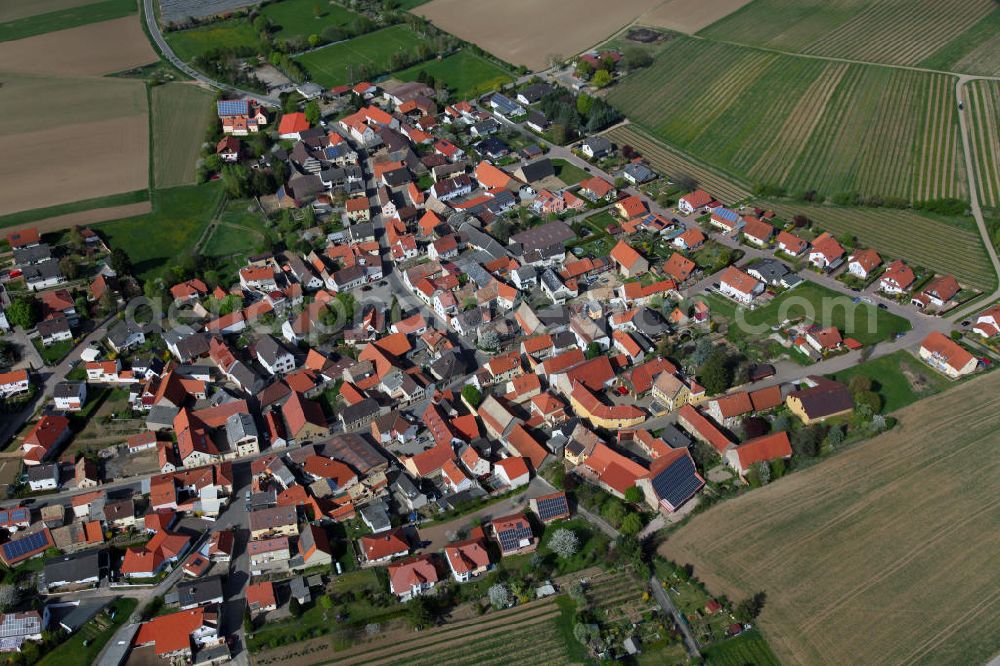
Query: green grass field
column 899, row 378
column 984, row 116
column 83, row 647
column 465, row 73
column 179, row 217
column 826, row 126
column 569, row 173
column 945, row 245
column 879, row 31
column 238, row 234
column 181, row 113
column 61, row 19
column 191, row 43
column 748, row 648
column 296, row 18
column 673, row 164
column 826, row 307
column 369, row 54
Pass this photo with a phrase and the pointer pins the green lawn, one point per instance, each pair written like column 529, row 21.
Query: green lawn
column 54, row 352
column 601, row 221
column 62, row 19
column 569, row 173
column 362, row 57
column 35, row 214
column 748, row 648
column 296, row 18
column 861, row 321
column 96, row 634
column 191, row 43
column 179, row 217
column 899, row 378
column 465, row 73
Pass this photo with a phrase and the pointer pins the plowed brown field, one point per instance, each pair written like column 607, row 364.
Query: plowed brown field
column 884, row 554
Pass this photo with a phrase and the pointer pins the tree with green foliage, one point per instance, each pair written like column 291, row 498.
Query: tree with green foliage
column 633, row 495
column 584, row 70
column 750, row 608
column 806, row 441
column 420, row 612
column 120, row 262
column 236, row 180
column 593, row 350
column 631, row 524
column 716, row 374
column 313, row 113
column 869, row 399
column 636, row 58
column 602, row 78
column 584, row 103
column 859, row 383
column 472, row 395
column 295, row 608
column 24, row 312
column 613, row 511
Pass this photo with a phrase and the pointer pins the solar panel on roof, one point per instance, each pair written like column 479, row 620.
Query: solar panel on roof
column 232, row 107
column 678, row 482
column 15, row 549
column 552, row 507
column 511, row 539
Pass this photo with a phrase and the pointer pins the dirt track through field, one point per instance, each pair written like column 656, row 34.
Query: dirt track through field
column 880, row 554
column 94, row 49
column 528, row 32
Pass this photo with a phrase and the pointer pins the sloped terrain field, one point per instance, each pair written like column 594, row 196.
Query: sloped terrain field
column 893, row 32
column 801, row 123
column 883, row 554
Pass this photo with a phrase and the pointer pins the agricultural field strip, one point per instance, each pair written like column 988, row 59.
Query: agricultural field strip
column 906, row 235
column 984, row 111
column 530, row 634
column 875, row 34
column 457, row 630
column 671, row 163
column 880, row 32
column 872, row 131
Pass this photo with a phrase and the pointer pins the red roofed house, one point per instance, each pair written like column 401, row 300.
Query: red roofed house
column 513, row 471
column 612, row 471
column 824, row 339
column 691, row 239
column 679, row 267
column 947, row 356
column 758, row 450
column 791, row 244
column 514, row 534
column 695, row 423
column 630, row 263
column 467, row 559
column 826, row 253
column 938, row 292
column 757, row 231
column 595, row 189
column 261, row 597
column 630, row 207
column 739, row 286
column 176, row 634
column 412, row 577
column 13, row 383
column 863, row 262
column 292, row 125
column 693, row 201
column 48, row 435
column 988, row 322
column 304, row 418
column 897, row 279
column 379, row 548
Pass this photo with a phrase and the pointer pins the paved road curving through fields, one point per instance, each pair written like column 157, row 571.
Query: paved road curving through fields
column 161, row 44
column 977, row 211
